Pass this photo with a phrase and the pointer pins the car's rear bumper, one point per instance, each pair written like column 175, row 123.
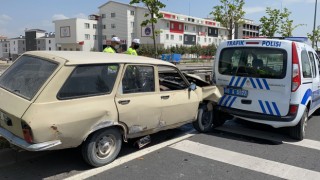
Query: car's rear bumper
column 13, row 139
column 257, row 116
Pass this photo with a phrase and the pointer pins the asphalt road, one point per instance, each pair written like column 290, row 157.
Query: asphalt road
column 236, row 150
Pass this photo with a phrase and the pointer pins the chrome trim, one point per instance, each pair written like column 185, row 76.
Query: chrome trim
column 27, row 146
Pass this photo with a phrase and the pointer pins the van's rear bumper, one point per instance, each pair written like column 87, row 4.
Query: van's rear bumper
column 256, row 116
column 13, row 139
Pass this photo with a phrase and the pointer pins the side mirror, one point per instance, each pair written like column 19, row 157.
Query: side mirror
column 192, row 87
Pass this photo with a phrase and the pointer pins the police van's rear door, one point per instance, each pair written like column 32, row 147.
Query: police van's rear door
column 256, row 75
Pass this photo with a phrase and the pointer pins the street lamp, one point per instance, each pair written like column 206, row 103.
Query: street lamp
column 314, row 23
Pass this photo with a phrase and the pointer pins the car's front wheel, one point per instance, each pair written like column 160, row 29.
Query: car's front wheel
column 204, row 120
column 102, row 147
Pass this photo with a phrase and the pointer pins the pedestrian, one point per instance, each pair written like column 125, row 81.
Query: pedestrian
column 114, row 47
column 133, row 48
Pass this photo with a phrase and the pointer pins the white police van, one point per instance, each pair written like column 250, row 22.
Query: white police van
column 269, row 81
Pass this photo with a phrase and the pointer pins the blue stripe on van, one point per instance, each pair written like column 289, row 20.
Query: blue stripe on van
column 266, row 84
column 269, row 107
column 276, row 108
column 232, row 79
column 227, row 100
column 237, row 82
column 221, row 100
column 306, row 96
column 262, row 107
column 243, row 81
column 232, row 101
column 259, row 83
column 253, row 84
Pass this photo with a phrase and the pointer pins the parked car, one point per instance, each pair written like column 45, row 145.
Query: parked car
column 56, row 100
column 269, row 81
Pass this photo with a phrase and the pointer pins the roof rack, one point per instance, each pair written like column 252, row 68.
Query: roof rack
column 296, row 39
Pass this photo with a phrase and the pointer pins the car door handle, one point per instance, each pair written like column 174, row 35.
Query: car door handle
column 124, row 102
column 165, row 97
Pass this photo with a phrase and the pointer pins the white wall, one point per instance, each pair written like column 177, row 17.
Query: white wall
column 50, row 43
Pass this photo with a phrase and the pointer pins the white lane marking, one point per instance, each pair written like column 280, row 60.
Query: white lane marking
column 307, row 143
column 130, row 157
column 245, row 161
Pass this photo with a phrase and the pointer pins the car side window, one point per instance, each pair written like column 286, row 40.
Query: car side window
column 89, row 80
column 170, row 79
column 306, row 68
column 138, row 79
column 313, row 64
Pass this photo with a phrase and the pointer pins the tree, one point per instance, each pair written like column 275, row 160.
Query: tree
column 315, row 36
column 229, row 14
column 270, row 25
column 153, row 13
column 287, row 26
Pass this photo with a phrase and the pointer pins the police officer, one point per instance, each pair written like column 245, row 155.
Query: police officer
column 113, row 48
column 134, row 46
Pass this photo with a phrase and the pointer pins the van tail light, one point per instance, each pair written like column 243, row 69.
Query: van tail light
column 296, row 76
column 27, row 133
column 293, row 109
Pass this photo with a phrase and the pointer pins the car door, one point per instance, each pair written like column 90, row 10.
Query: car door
column 315, row 80
column 138, row 103
column 179, row 104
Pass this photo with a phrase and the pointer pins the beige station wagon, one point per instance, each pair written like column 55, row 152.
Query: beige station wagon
column 57, row 100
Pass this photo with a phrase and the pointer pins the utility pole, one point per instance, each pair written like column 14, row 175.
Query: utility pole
column 314, row 23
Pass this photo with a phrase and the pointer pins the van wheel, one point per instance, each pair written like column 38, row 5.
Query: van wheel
column 298, row 132
column 102, row 147
column 220, row 118
column 204, row 120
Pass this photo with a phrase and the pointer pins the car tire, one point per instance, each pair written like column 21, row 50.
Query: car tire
column 298, row 132
column 220, row 118
column 102, row 147
column 204, row 120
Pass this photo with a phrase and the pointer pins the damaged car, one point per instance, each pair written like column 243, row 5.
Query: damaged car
column 57, row 100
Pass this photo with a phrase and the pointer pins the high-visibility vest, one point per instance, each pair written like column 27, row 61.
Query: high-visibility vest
column 109, row 50
column 131, row 51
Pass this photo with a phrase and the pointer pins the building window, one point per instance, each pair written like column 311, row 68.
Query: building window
column 167, row 36
column 23, row 49
column 49, row 48
column 209, row 31
column 113, row 15
column 65, row 49
column 71, row 49
column 132, row 13
column 103, row 15
column 194, row 29
column 168, row 25
column 95, row 37
column 132, row 24
column 38, row 42
column 49, row 41
column 193, row 39
column 180, row 38
column 205, row 40
column 94, row 26
column 14, row 42
column 87, row 36
column 104, row 26
column 186, row 27
column 14, row 49
column 86, row 25
column 104, row 37
column 77, row 49
column 22, row 42
column 209, row 40
column 172, row 37
column 113, row 26
column 38, row 49
column 198, row 39
column 172, row 26
column 185, row 38
column 180, row 26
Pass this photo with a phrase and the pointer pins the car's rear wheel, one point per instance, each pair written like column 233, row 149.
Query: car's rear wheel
column 102, row 147
column 204, row 120
column 298, row 132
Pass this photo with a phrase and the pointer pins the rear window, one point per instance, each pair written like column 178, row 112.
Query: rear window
column 253, row 62
column 26, row 76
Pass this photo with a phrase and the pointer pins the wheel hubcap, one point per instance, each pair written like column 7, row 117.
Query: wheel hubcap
column 105, row 146
column 206, row 118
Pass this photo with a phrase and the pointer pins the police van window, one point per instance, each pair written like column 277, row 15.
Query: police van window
column 313, row 64
column 138, row 79
column 170, row 79
column 306, row 68
column 253, row 62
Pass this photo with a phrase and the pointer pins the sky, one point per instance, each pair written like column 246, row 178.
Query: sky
column 17, row 15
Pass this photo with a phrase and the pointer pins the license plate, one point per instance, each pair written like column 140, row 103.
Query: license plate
column 236, row 92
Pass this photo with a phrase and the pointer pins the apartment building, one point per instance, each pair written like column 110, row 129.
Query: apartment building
column 46, row 42
column 31, row 36
column 124, row 21
column 17, row 46
column 76, row 34
column 246, row 29
column 4, row 47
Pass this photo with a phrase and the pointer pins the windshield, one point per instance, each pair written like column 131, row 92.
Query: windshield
column 253, row 62
column 26, row 76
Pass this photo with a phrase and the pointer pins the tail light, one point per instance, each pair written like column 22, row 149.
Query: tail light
column 27, row 133
column 293, row 109
column 296, row 76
